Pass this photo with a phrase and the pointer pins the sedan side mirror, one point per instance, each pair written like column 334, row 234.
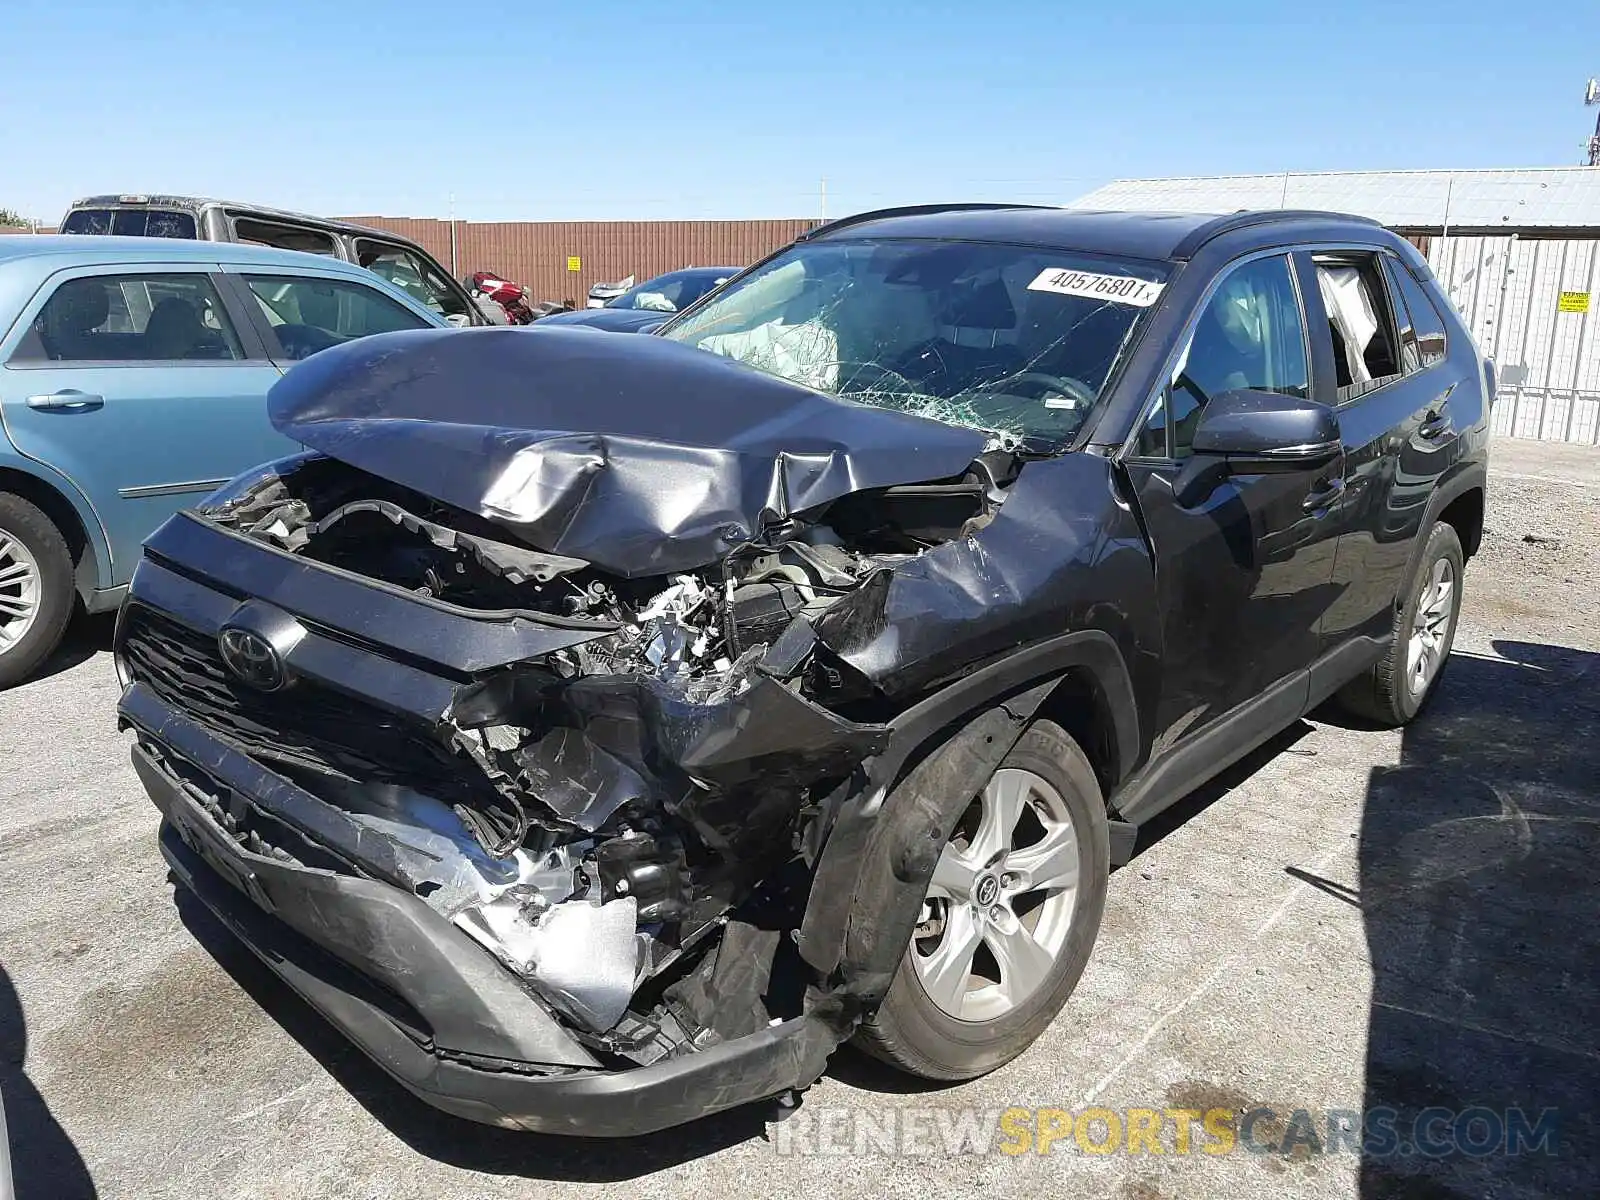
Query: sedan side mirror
column 1260, row 432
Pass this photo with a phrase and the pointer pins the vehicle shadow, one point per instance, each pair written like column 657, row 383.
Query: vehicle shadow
column 451, row 1139
column 1477, row 892
column 45, row 1164
column 88, row 635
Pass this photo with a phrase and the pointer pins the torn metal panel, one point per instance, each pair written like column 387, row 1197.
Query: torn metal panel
column 638, row 455
column 585, row 957
column 1050, row 561
column 721, row 766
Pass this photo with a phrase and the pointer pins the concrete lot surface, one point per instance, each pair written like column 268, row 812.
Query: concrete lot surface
column 1350, row 920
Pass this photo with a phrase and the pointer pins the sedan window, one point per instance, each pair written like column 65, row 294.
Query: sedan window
column 310, row 314
column 131, row 318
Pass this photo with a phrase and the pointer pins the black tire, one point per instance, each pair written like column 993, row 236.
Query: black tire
column 911, row 1032
column 1383, row 694
column 38, row 535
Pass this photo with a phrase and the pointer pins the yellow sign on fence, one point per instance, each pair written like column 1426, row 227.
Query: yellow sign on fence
column 574, row 263
column 1573, row 302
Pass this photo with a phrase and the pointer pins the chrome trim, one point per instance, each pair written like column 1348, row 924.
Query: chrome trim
column 170, row 489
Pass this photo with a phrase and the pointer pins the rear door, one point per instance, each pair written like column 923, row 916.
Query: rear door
column 1393, row 389
column 143, row 387
column 1244, row 563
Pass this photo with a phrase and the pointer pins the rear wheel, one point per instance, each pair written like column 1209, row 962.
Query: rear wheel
column 1008, row 920
column 36, row 590
column 1395, row 690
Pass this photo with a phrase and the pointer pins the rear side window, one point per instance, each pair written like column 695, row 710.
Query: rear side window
column 310, row 314
column 1361, row 322
column 1422, row 335
column 131, row 222
column 412, row 274
column 1251, row 334
column 131, row 318
column 284, row 237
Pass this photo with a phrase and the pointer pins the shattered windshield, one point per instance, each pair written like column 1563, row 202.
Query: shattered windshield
column 1015, row 341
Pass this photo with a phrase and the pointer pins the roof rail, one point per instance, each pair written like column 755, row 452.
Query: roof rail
column 911, row 210
column 1245, row 218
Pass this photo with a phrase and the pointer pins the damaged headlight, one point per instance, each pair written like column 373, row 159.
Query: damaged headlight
column 241, row 486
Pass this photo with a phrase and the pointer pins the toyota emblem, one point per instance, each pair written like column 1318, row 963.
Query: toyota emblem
column 252, row 659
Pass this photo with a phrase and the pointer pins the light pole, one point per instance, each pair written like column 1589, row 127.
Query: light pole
column 1591, row 97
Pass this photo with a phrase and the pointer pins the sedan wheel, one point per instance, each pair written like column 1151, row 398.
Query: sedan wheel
column 19, row 591
column 1000, row 905
column 36, row 590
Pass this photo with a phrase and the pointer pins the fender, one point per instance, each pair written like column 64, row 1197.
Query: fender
column 1467, row 476
column 860, row 871
column 94, row 573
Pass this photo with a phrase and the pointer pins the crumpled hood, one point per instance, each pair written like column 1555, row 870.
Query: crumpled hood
column 638, row 454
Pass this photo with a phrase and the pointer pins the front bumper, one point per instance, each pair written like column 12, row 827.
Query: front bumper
column 424, row 1001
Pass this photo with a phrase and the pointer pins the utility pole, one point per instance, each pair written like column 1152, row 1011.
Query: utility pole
column 823, row 199
column 1592, row 97
column 455, row 268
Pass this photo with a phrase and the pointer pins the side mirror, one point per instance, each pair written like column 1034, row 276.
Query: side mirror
column 1259, row 432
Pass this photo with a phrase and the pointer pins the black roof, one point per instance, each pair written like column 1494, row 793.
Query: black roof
column 1149, row 235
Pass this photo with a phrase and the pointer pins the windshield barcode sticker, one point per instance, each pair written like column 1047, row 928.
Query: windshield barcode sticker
column 1118, row 289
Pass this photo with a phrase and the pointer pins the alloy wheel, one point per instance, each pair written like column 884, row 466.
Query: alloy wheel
column 999, row 909
column 19, row 591
column 1430, row 626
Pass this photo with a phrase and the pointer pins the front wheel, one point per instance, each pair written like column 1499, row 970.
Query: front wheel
column 1008, row 920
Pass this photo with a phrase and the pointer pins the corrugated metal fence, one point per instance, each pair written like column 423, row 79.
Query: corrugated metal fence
column 1531, row 304
column 536, row 254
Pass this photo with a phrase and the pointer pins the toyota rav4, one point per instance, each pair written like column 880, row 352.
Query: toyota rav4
column 601, row 730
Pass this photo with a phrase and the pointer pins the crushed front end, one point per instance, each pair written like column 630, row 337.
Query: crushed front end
column 513, row 749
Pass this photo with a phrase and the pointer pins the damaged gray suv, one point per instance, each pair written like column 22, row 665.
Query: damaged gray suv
column 601, row 730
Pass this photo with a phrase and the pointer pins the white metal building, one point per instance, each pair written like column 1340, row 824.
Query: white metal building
column 1517, row 250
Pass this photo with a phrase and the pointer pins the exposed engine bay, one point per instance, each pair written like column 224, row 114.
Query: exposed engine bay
column 632, row 789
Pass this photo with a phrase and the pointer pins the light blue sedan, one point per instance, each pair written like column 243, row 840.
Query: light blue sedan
column 133, row 380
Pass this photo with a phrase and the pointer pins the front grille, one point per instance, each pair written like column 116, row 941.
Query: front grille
column 306, row 725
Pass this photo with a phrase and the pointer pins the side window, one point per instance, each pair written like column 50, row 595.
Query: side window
column 310, row 314
column 284, row 237
column 1425, row 325
column 131, row 318
column 1251, row 334
column 412, row 275
column 1366, row 344
column 665, row 296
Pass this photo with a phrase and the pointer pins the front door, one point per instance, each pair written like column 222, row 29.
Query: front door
column 135, row 382
column 1244, row 563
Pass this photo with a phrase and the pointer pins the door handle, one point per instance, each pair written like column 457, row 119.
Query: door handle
column 1325, row 493
column 67, row 400
column 1437, row 422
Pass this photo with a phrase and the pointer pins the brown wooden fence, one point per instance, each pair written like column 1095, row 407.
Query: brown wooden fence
column 538, row 254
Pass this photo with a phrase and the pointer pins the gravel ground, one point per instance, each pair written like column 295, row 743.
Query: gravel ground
column 1349, row 920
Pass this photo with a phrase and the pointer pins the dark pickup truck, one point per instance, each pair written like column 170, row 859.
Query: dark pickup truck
column 602, row 730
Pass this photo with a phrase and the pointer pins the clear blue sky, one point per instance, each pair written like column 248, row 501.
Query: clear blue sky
column 679, row 108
